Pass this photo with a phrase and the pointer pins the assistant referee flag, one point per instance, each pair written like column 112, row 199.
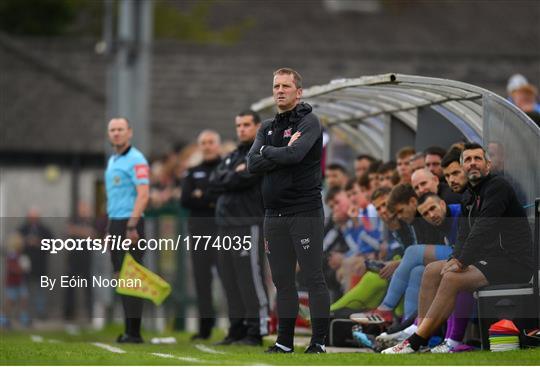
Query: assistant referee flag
column 137, row 281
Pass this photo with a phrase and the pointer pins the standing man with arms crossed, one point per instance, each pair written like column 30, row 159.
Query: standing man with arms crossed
column 239, row 214
column 201, row 201
column 127, row 185
column 287, row 150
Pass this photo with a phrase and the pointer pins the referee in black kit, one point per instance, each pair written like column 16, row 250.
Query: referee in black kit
column 288, row 150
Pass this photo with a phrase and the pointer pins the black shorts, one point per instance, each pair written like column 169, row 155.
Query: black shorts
column 501, row 270
column 118, row 227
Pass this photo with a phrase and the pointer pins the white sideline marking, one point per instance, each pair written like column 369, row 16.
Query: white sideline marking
column 37, row 338
column 110, row 348
column 204, row 348
column 185, row 359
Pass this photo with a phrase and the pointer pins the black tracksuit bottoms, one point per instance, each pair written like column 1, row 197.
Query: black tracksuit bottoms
column 133, row 306
column 242, row 275
column 292, row 239
column 202, row 263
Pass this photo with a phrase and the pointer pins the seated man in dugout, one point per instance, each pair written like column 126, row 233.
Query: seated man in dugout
column 494, row 246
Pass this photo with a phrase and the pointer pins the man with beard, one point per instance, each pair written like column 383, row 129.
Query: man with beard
column 494, row 246
column 453, row 172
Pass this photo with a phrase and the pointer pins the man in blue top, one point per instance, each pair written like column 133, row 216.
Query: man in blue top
column 127, row 185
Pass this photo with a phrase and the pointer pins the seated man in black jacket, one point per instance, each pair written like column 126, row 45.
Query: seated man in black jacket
column 494, row 246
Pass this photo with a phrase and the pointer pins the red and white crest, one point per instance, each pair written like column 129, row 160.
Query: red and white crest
column 287, row 133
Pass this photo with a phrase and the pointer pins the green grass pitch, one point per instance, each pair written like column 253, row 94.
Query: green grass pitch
column 59, row 348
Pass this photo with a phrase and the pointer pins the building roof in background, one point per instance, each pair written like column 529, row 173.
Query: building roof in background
column 53, row 91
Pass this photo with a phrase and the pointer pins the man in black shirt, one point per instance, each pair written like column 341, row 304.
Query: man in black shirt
column 197, row 197
column 288, row 150
column 494, row 246
column 239, row 215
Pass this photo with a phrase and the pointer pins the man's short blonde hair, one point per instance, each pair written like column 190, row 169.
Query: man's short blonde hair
column 294, row 73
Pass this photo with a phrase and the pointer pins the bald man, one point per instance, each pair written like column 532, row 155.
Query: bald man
column 201, row 201
column 127, row 185
column 424, row 181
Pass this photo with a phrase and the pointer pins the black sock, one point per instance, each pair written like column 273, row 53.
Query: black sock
column 133, row 327
column 416, row 341
column 286, row 332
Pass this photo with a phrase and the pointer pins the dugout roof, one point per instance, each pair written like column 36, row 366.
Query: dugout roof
column 370, row 114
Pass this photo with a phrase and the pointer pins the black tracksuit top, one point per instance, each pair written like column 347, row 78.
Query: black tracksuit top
column 198, row 178
column 493, row 224
column 240, row 201
column 292, row 174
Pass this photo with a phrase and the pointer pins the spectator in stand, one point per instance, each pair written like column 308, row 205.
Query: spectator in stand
column 424, row 181
column 79, row 263
column 460, row 145
column 370, row 290
column 361, row 164
column 373, row 174
column 523, row 94
column 365, row 225
column 363, row 234
column 403, row 158
column 417, row 161
column 160, row 185
column 526, row 98
column 336, row 176
column 33, row 231
column 367, row 186
column 335, row 243
column 388, row 175
column 433, row 159
column 15, row 302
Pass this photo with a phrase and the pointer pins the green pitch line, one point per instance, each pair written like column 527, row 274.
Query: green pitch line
column 58, row 348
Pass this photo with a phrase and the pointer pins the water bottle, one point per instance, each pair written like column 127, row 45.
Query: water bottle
column 361, row 337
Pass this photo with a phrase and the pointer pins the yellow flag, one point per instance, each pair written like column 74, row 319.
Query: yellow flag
column 137, row 281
